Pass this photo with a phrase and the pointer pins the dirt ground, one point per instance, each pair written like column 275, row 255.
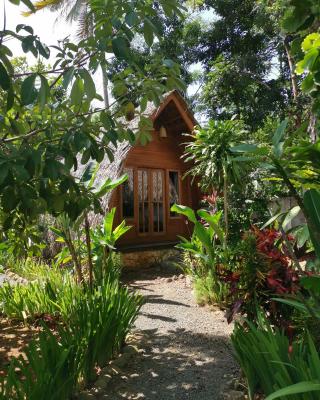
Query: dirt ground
column 13, row 338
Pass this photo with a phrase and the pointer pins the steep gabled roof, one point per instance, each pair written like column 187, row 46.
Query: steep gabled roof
column 113, row 170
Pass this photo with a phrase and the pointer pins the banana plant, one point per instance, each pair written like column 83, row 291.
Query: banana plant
column 104, row 238
column 205, row 235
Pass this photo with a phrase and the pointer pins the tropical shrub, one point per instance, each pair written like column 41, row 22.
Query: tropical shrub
column 90, row 250
column 209, row 150
column 261, row 271
column 99, row 323
column 270, row 362
column 104, row 238
column 306, row 304
column 204, row 252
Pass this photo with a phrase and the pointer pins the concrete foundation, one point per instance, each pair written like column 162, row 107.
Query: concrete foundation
column 142, row 259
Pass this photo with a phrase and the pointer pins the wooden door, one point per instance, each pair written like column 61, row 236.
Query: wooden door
column 151, row 202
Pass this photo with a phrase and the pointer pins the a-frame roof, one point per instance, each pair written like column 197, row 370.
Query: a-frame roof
column 114, row 169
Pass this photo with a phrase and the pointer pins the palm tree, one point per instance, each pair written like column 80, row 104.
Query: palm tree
column 210, row 153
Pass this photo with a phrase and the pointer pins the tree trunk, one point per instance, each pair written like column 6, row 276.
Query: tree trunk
column 105, row 82
column 88, row 243
column 225, row 205
column 74, row 257
column 312, row 128
column 293, row 76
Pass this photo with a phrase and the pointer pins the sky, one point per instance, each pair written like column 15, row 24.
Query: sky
column 44, row 23
column 47, row 26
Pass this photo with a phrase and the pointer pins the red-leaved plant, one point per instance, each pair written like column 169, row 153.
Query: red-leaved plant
column 262, row 270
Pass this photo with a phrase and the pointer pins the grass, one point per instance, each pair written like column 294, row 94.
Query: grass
column 87, row 328
column 33, row 269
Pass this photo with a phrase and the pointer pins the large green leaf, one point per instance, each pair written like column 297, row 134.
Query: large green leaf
column 4, row 169
column 272, row 219
column 290, row 216
column 312, row 283
column 120, row 47
column 4, row 78
column 77, row 91
column 186, row 211
column 244, row 148
column 108, row 223
column 44, row 92
column 109, row 185
column 149, row 30
column 28, row 90
column 312, row 204
column 89, row 86
column 302, row 235
column 278, row 138
column 88, row 172
column 301, row 387
column 213, row 221
column 67, row 77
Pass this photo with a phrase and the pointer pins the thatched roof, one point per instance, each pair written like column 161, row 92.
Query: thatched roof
column 114, row 169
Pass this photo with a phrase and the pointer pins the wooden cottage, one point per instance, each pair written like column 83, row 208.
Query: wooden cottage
column 156, row 179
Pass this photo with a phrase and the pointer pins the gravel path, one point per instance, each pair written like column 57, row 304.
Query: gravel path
column 2, row 278
column 185, row 353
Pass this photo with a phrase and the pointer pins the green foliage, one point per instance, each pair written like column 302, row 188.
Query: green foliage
column 44, row 134
column 50, row 370
column 100, row 322
column 52, row 295
column 259, row 271
column 34, row 269
column 271, row 363
column 208, row 290
column 295, row 167
column 312, row 205
column 203, row 254
column 239, row 48
column 104, row 239
column 300, row 19
column 94, row 327
column 209, row 151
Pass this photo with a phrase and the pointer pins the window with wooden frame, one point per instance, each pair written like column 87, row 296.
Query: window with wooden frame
column 128, row 195
column 143, row 199
column 158, row 201
column 174, row 191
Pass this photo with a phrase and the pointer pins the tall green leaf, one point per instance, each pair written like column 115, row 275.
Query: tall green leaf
column 4, row 78
column 120, row 47
column 77, row 92
column 44, row 92
column 89, row 86
column 301, row 387
column 312, row 204
column 28, row 90
column 186, row 211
